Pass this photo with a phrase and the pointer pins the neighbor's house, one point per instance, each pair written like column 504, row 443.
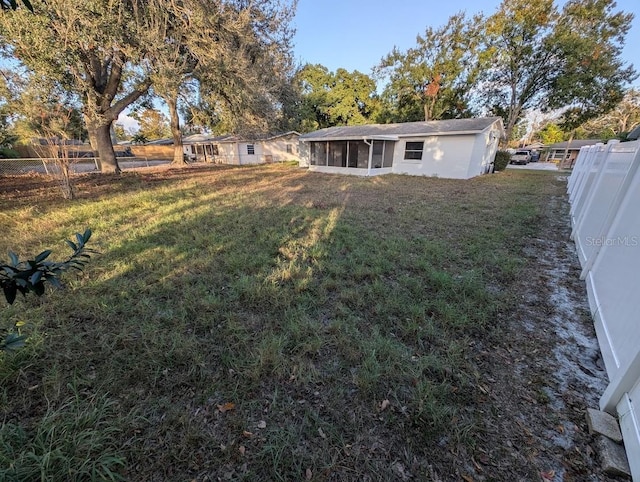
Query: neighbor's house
column 565, row 153
column 456, row 148
column 230, row 149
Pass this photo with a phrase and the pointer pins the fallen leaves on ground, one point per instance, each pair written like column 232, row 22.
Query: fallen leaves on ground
column 226, row 407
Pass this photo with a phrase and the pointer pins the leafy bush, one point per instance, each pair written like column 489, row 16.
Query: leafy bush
column 30, row 276
column 502, row 160
column 7, row 153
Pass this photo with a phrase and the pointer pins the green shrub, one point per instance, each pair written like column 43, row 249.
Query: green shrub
column 29, row 276
column 8, row 153
column 501, row 160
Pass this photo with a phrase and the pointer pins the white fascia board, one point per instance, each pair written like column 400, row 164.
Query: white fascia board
column 351, row 138
column 444, row 133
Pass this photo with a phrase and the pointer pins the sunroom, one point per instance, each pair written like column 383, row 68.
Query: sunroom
column 365, row 157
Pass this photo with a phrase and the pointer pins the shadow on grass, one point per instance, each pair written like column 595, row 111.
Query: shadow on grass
column 305, row 301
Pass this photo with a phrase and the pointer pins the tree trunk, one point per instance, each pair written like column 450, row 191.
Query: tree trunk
column 511, row 124
column 108, row 161
column 178, row 154
column 93, row 141
column 566, row 151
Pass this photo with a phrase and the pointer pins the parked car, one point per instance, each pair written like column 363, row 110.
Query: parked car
column 520, row 157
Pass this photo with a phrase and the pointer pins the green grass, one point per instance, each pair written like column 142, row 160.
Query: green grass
column 304, row 299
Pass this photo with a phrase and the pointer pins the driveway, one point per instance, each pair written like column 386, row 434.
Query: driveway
column 536, row 166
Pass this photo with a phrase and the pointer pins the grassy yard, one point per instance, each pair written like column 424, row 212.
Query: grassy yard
column 261, row 323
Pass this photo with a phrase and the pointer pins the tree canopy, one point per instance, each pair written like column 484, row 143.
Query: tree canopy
column 433, row 79
column 616, row 123
column 538, row 57
column 108, row 54
column 153, row 124
column 334, row 98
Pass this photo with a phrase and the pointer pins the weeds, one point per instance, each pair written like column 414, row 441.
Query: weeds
column 75, row 441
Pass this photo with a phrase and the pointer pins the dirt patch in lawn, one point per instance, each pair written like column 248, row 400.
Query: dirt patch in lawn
column 318, row 327
column 545, row 372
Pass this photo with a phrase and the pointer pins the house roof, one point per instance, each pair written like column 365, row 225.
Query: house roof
column 160, row 142
column 405, row 129
column 634, row 134
column 533, row 145
column 575, row 144
column 201, row 138
column 208, row 139
column 268, row 137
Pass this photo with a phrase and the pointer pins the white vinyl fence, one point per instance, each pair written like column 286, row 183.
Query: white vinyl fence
column 604, row 192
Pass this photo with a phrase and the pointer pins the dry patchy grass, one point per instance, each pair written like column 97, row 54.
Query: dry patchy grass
column 264, row 323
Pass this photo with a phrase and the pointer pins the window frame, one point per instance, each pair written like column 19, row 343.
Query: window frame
column 251, row 149
column 411, row 153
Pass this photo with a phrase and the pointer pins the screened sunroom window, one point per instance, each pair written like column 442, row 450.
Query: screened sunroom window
column 378, row 151
column 358, row 154
column 387, row 158
column 318, row 153
column 338, row 154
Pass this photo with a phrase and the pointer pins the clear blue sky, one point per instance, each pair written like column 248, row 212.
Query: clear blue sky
column 356, row 34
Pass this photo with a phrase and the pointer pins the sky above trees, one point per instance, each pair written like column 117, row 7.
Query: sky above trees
column 357, row 34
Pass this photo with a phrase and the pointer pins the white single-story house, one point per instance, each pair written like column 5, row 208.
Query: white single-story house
column 230, row 149
column 455, row 148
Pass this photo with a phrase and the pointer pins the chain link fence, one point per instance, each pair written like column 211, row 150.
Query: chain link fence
column 48, row 166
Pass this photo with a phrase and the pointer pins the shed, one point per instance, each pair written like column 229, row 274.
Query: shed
column 455, row 148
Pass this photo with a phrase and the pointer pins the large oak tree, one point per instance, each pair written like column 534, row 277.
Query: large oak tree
column 91, row 48
column 110, row 53
column 543, row 58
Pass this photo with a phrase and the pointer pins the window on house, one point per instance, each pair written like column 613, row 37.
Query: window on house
column 193, row 150
column 251, row 149
column 289, row 149
column 413, row 150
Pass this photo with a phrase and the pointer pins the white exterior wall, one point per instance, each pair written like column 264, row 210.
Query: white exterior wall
column 228, row 153
column 277, row 149
column 484, row 152
column 304, row 150
column 442, row 156
column 255, row 158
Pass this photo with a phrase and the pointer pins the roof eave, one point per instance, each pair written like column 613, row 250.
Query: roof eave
column 350, row 138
